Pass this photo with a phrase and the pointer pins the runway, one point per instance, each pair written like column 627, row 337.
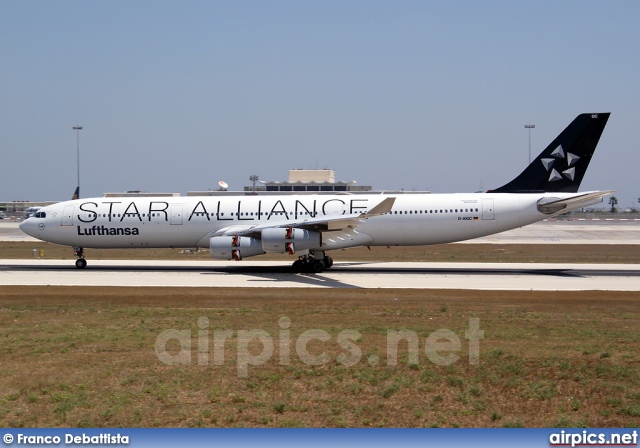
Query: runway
column 485, row 276
column 481, row 276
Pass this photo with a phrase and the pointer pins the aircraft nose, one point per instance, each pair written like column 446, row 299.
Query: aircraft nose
column 27, row 226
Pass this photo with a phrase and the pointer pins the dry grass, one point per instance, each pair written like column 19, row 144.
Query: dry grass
column 508, row 253
column 85, row 357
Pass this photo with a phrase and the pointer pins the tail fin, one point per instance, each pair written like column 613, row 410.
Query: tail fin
column 76, row 194
column 561, row 167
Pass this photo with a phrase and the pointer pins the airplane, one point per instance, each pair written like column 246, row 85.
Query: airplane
column 309, row 226
column 28, row 212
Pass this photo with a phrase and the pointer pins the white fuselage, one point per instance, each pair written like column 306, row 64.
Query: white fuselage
column 415, row 219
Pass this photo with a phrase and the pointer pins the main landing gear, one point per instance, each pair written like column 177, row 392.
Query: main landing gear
column 81, row 263
column 316, row 263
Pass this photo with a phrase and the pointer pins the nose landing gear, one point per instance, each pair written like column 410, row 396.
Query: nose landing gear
column 81, row 263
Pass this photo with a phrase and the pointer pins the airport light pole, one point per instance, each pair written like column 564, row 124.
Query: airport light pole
column 78, row 129
column 529, row 126
column 254, row 178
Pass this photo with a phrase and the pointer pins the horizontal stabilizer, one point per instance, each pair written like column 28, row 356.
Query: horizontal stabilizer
column 550, row 205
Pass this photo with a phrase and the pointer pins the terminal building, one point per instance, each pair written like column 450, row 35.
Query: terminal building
column 310, row 181
column 299, row 182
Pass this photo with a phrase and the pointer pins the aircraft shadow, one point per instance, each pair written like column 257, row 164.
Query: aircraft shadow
column 276, row 273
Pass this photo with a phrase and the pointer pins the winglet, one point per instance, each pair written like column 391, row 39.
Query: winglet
column 382, row 208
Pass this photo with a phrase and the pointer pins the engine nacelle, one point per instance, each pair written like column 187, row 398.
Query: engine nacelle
column 234, row 247
column 289, row 240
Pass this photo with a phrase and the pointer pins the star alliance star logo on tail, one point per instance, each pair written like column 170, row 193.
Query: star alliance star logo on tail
column 559, row 156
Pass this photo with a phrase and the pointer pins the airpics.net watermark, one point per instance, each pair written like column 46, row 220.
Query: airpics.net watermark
column 435, row 345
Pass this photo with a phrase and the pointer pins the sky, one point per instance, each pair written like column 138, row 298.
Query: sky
column 176, row 96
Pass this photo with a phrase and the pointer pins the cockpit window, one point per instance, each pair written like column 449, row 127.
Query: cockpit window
column 40, row 215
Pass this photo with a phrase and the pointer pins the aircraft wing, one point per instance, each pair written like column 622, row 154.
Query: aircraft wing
column 550, row 205
column 318, row 224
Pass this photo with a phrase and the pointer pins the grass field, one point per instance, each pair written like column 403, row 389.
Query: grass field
column 508, row 253
column 85, row 357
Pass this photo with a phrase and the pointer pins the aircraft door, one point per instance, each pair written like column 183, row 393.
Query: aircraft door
column 176, row 214
column 487, row 209
column 67, row 215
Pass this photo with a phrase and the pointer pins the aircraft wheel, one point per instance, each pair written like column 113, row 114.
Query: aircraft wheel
column 318, row 266
column 297, row 266
column 81, row 263
column 328, row 261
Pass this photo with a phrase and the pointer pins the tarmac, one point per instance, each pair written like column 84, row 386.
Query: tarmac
column 569, row 232
column 477, row 276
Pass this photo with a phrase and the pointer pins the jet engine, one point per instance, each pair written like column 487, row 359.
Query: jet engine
column 234, row 247
column 289, row 240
